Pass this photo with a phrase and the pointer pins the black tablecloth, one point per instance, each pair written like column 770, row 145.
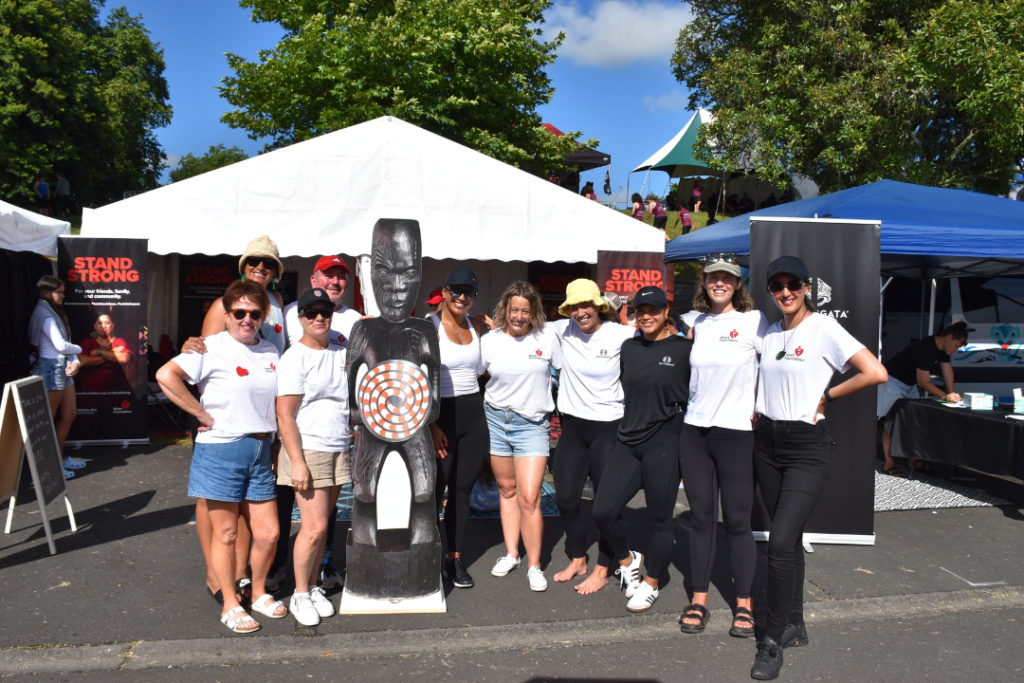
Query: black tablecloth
column 984, row 440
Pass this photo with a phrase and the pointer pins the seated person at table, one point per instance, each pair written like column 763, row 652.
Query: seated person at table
column 910, row 369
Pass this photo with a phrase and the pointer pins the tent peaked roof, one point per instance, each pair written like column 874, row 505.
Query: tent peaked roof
column 24, row 230
column 324, row 195
column 926, row 231
column 676, row 157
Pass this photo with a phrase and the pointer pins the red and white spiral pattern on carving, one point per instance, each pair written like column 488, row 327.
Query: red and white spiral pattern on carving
column 394, row 400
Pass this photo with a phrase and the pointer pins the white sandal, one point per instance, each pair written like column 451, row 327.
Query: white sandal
column 260, row 605
column 234, row 622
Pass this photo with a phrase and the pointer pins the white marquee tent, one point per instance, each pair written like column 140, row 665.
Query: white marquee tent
column 324, row 195
column 24, row 230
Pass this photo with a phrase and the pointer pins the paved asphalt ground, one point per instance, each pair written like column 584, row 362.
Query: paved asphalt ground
column 937, row 598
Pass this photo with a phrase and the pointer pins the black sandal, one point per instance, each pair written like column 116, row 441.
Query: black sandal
column 218, row 596
column 699, row 612
column 243, row 589
column 742, row 614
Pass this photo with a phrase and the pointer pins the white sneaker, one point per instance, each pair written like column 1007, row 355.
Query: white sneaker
column 537, row 581
column 302, row 609
column 629, row 575
column 643, row 598
column 321, row 602
column 504, row 565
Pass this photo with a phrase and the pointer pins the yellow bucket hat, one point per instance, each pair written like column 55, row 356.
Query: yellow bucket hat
column 265, row 247
column 582, row 291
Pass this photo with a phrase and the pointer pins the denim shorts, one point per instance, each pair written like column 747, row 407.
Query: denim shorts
column 232, row 472
column 514, row 435
column 52, row 372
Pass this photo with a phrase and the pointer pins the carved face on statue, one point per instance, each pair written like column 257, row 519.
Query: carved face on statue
column 395, row 267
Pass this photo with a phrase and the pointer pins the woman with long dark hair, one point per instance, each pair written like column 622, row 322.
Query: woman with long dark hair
column 56, row 360
column 716, row 446
column 590, row 403
column 519, row 355
column 793, row 447
column 655, row 372
column 460, row 432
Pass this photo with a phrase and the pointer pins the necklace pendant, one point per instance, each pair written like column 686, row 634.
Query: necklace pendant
column 780, row 355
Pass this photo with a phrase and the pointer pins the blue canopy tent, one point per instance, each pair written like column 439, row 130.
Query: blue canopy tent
column 927, row 232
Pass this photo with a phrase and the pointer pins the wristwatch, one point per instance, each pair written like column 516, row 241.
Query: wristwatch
column 828, row 395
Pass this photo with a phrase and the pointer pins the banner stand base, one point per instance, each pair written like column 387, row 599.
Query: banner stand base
column 428, row 604
column 831, row 539
column 123, row 443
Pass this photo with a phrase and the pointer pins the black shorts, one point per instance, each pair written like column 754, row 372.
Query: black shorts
column 660, row 222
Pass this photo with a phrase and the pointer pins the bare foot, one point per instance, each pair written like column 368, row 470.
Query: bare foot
column 577, row 567
column 595, row 582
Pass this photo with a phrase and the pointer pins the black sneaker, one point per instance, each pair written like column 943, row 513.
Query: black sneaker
column 795, row 635
column 768, row 662
column 330, row 577
column 275, row 577
column 456, row 571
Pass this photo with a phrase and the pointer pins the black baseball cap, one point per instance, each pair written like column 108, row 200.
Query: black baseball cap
column 462, row 276
column 312, row 296
column 788, row 264
column 652, row 296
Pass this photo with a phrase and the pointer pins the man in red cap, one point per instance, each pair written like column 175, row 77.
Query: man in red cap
column 331, row 275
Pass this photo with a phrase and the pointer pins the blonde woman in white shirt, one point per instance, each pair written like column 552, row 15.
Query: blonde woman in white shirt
column 519, row 356
column 716, row 445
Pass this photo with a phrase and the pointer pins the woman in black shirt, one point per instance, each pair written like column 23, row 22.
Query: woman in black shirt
column 655, row 371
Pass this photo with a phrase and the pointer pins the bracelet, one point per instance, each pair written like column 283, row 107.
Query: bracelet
column 828, row 395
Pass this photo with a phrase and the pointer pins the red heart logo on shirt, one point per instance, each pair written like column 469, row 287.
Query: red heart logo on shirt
column 273, row 367
column 539, row 354
column 799, row 351
column 277, row 328
column 242, row 372
column 734, row 334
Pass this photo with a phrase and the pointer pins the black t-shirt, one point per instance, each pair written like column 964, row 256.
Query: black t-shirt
column 921, row 355
column 655, row 385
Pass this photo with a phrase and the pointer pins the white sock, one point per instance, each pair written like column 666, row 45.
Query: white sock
column 311, row 587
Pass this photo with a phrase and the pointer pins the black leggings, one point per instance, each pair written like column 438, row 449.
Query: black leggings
column 792, row 461
column 464, row 424
column 653, row 465
column 713, row 459
column 585, row 447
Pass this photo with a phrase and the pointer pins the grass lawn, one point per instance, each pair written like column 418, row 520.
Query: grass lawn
column 683, row 271
column 76, row 223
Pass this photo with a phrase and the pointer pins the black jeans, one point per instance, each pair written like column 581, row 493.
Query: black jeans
column 654, row 466
column 464, row 424
column 585, row 448
column 714, row 461
column 792, row 461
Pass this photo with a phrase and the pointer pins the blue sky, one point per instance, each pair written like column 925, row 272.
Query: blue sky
column 612, row 79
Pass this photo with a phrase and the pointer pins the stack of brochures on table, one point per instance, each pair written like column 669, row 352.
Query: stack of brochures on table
column 1018, row 402
column 976, row 401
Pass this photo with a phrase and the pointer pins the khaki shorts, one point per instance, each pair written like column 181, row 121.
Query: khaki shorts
column 327, row 469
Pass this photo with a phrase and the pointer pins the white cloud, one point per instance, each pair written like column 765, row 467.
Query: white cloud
column 674, row 101
column 615, row 33
column 172, row 160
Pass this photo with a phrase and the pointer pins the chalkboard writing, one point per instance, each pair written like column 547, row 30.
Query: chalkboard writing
column 41, row 442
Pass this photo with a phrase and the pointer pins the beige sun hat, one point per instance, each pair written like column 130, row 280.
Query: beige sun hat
column 265, row 247
column 581, row 291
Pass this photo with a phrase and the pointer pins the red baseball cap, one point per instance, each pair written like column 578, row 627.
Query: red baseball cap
column 326, row 262
column 435, row 298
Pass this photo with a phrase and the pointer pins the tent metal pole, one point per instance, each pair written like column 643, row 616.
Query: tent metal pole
column 931, row 310
column 920, row 333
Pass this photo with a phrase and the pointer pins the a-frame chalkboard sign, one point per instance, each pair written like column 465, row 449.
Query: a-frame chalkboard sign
column 26, row 427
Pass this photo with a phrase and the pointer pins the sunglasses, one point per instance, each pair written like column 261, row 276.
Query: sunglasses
column 312, row 313
column 240, row 313
column 256, row 261
column 720, row 258
column 794, row 286
column 467, row 292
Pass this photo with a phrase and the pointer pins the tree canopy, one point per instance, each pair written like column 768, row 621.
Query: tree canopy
column 79, row 96
column 218, row 156
column 849, row 92
column 471, row 71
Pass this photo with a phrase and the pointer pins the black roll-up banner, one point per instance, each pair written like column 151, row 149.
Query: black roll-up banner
column 202, row 280
column 105, row 300
column 843, row 258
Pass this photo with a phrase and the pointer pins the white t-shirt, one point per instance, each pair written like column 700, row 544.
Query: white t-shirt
column 520, row 369
column 319, row 377
column 723, row 369
column 790, row 388
column 589, row 386
column 342, row 321
column 238, row 383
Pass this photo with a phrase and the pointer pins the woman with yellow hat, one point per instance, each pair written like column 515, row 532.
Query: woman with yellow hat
column 590, row 401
